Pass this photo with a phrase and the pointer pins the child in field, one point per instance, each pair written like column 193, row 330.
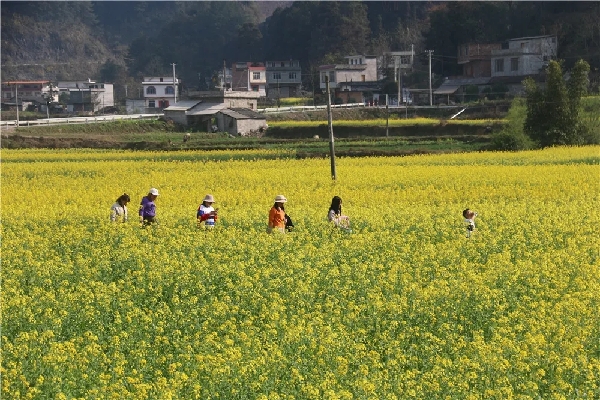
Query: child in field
column 335, row 214
column 469, row 216
column 118, row 211
column 206, row 213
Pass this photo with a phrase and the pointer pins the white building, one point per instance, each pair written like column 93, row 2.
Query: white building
column 87, row 95
column 358, row 69
column 523, row 56
column 160, row 92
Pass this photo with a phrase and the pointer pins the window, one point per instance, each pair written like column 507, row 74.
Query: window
column 161, row 79
column 169, row 90
column 282, row 64
column 292, row 76
column 522, row 45
column 514, row 64
column 151, row 90
column 151, row 104
column 466, row 50
column 323, row 75
column 499, row 65
column 255, row 88
column 277, row 75
column 362, row 78
column 331, row 76
column 256, row 75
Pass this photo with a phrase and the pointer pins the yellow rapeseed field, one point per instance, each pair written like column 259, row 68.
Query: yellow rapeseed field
column 404, row 307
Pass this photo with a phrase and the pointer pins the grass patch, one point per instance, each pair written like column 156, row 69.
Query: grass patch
column 382, row 122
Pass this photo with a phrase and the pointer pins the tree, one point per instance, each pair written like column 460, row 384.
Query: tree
column 553, row 113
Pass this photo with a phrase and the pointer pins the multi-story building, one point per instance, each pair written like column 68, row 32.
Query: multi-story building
column 24, row 94
column 475, row 59
column 224, row 84
column 24, row 89
column 250, row 77
column 400, row 61
column 160, row 92
column 523, row 56
column 87, row 95
column 358, row 69
column 284, row 78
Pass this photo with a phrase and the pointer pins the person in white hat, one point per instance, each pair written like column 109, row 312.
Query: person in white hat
column 277, row 216
column 148, row 208
column 206, row 213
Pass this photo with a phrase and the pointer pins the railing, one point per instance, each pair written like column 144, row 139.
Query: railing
column 351, row 105
column 307, row 108
column 79, row 120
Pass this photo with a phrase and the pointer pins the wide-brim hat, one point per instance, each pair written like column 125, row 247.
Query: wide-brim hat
column 280, row 199
column 209, row 198
column 154, row 191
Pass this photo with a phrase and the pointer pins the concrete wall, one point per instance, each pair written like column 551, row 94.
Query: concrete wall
column 177, row 116
column 239, row 127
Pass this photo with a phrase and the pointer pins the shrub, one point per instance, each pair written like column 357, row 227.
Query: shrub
column 512, row 137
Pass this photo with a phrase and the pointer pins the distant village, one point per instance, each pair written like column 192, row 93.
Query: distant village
column 486, row 68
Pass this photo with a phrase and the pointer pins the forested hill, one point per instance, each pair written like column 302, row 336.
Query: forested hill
column 121, row 41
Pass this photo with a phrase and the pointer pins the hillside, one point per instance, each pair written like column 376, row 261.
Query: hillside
column 119, row 41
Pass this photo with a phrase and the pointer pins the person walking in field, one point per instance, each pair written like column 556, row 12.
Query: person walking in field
column 118, row 211
column 335, row 215
column 278, row 219
column 148, row 208
column 207, row 215
column 469, row 216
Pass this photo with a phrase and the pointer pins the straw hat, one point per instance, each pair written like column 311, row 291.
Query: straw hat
column 209, row 198
column 280, row 199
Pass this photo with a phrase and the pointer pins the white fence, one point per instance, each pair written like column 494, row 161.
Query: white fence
column 272, row 110
column 307, row 108
column 79, row 120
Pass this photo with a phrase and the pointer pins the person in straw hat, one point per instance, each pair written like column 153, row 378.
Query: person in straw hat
column 207, row 215
column 277, row 215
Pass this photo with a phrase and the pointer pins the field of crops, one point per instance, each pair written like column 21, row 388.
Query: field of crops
column 403, row 307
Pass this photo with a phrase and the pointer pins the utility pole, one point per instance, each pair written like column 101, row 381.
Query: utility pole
column 430, row 91
column 17, row 101
column 174, row 85
column 225, row 76
column 387, row 117
column 399, row 81
column 330, row 123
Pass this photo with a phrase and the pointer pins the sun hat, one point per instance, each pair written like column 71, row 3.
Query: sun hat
column 280, row 198
column 209, row 198
column 154, row 191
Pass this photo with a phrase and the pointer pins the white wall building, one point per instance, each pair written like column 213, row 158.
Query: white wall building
column 160, row 92
column 87, row 95
column 358, row 69
column 523, row 56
